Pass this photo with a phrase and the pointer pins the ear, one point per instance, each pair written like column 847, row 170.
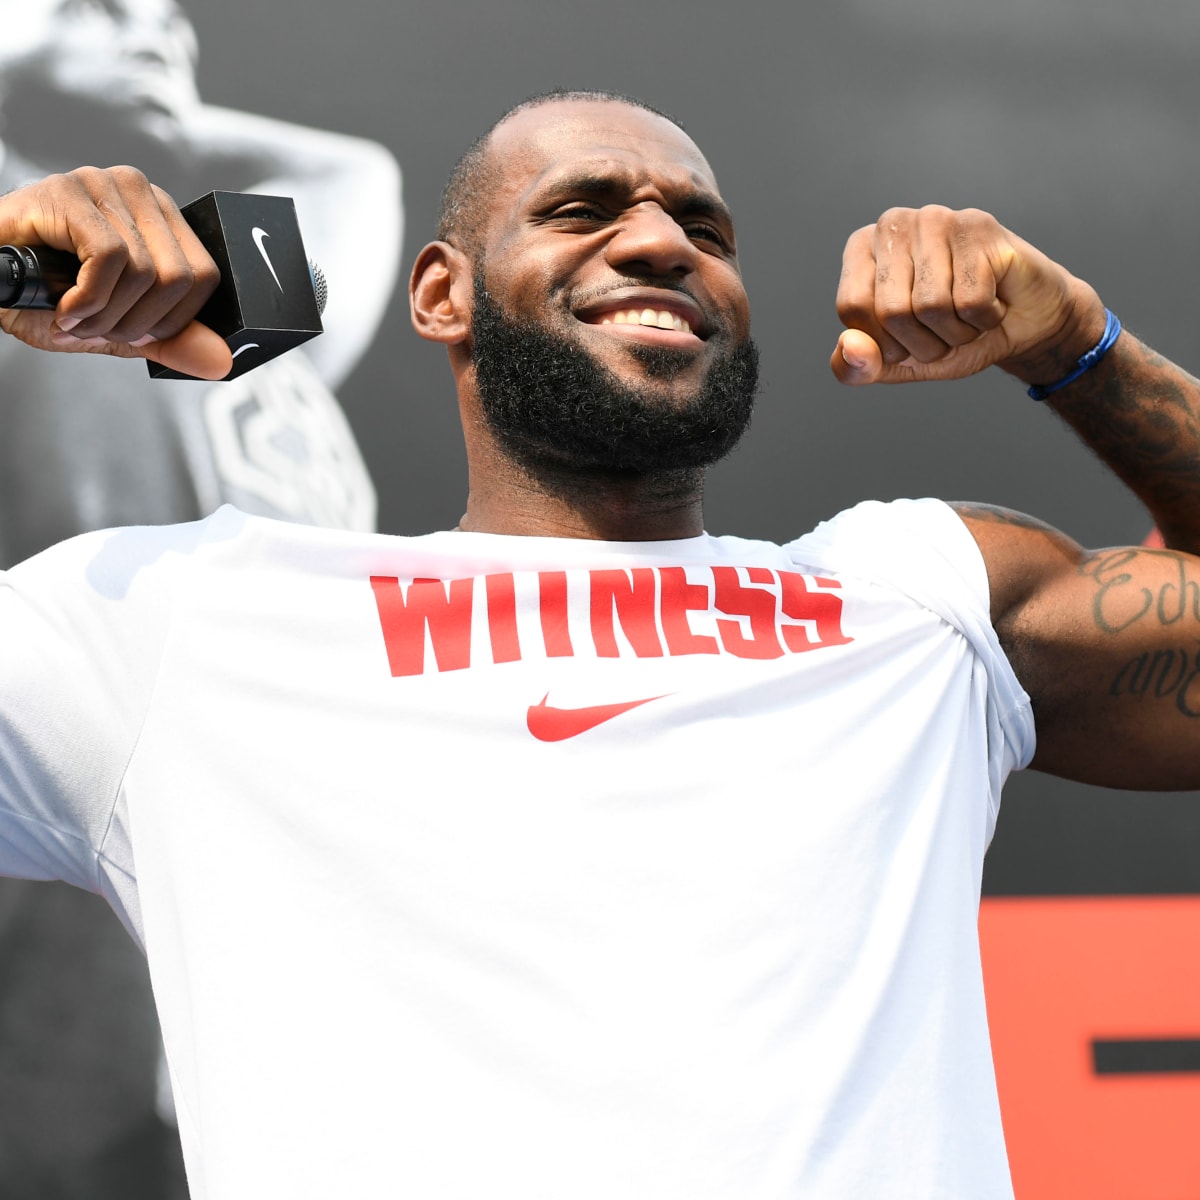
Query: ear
column 439, row 294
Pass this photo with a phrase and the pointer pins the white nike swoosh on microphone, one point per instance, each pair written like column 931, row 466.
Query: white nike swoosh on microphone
column 258, row 235
column 248, row 345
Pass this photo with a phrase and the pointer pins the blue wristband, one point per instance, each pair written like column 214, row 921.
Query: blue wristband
column 1112, row 330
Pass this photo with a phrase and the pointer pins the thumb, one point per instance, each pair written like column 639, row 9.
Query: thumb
column 197, row 350
column 856, row 359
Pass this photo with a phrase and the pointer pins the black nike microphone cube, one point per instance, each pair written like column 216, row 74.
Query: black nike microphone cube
column 266, row 302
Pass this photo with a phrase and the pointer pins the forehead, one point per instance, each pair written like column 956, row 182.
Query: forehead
column 539, row 146
column 116, row 10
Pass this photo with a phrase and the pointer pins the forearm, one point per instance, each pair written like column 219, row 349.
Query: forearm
column 1140, row 414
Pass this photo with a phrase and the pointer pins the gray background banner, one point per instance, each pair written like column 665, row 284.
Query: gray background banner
column 1071, row 120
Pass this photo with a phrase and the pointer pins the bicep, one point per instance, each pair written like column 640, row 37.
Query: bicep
column 1107, row 643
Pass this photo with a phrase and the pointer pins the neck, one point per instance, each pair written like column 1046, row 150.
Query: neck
column 553, row 501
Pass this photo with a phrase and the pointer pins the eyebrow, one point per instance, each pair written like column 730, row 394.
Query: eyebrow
column 693, row 202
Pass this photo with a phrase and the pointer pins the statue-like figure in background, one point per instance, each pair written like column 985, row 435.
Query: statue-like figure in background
column 114, row 80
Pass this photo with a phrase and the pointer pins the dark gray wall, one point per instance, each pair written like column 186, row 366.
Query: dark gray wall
column 1072, row 120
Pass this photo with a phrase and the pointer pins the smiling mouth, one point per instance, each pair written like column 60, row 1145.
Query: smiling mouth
column 652, row 318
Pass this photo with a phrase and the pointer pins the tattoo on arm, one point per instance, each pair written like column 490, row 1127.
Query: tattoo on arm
column 1141, row 414
column 1172, row 674
column 1121, row 601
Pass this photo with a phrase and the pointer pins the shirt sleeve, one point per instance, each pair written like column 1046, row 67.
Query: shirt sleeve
column 82, row 630
column 923, row 549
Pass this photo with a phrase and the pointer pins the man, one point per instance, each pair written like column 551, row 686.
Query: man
column 575, row 852
column 114, row 81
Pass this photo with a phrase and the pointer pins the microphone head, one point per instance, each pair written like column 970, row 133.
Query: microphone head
column 320, row 288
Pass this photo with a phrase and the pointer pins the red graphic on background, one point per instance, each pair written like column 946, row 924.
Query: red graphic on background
column 1061, row 973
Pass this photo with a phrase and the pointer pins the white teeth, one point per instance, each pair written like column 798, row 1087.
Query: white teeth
column 655, row 318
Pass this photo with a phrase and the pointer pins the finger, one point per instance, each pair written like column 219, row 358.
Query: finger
column 945, row 266
column 196, row 350
column 978, row 251
column 185, row 275
column 115, row 266
column 124, row 298
column 56, row 211
column 856, row 293
column 856, row 359
column 202, row 272
column 895, row 245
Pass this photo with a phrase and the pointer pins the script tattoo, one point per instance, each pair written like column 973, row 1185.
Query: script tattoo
column 1163, row 674
column 1121, row 600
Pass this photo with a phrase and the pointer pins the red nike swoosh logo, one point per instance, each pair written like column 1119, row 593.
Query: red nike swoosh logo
column 550, row 724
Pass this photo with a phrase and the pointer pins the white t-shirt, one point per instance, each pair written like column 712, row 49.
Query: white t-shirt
column 472, row 865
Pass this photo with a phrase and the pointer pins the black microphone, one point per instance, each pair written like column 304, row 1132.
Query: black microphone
column 270, row 296
column 39, row 277
column 35, row 276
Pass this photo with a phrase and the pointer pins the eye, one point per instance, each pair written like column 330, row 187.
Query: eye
column 706, row 233
column 581, row 212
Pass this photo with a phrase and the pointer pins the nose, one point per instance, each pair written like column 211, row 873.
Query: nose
column 143, row 37
column 649, row 241
column 157, row 32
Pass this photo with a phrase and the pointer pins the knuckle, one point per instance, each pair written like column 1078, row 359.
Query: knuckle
column 936, row 214
column 975, row 216
column 85, row 176
column 928, row 308
column 859, row 241
column 975, row 310
column 893, row 219
column 176, row 282
column 894, row 312
column 58, row 182
column 206, row 276
column 854, row 311
column 123, row 173
column 140, row 272
column 970, row 225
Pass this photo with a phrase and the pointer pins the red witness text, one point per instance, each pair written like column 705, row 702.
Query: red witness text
column 642, row 612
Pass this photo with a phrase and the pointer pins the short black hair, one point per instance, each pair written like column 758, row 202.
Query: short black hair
column 475, row 175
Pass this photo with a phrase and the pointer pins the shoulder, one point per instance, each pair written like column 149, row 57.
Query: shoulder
column 1020, row 553
column 920, row 548
column 112, row 562
column 909, row 537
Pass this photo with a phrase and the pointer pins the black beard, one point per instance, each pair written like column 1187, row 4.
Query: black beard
column 552, row 406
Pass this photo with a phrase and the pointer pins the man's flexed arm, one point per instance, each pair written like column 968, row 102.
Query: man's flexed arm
column 942, row 294
column 143, row 277
column 1107, row 642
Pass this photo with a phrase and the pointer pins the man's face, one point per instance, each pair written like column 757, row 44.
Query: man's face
column 609, row 268
column 128, row 58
